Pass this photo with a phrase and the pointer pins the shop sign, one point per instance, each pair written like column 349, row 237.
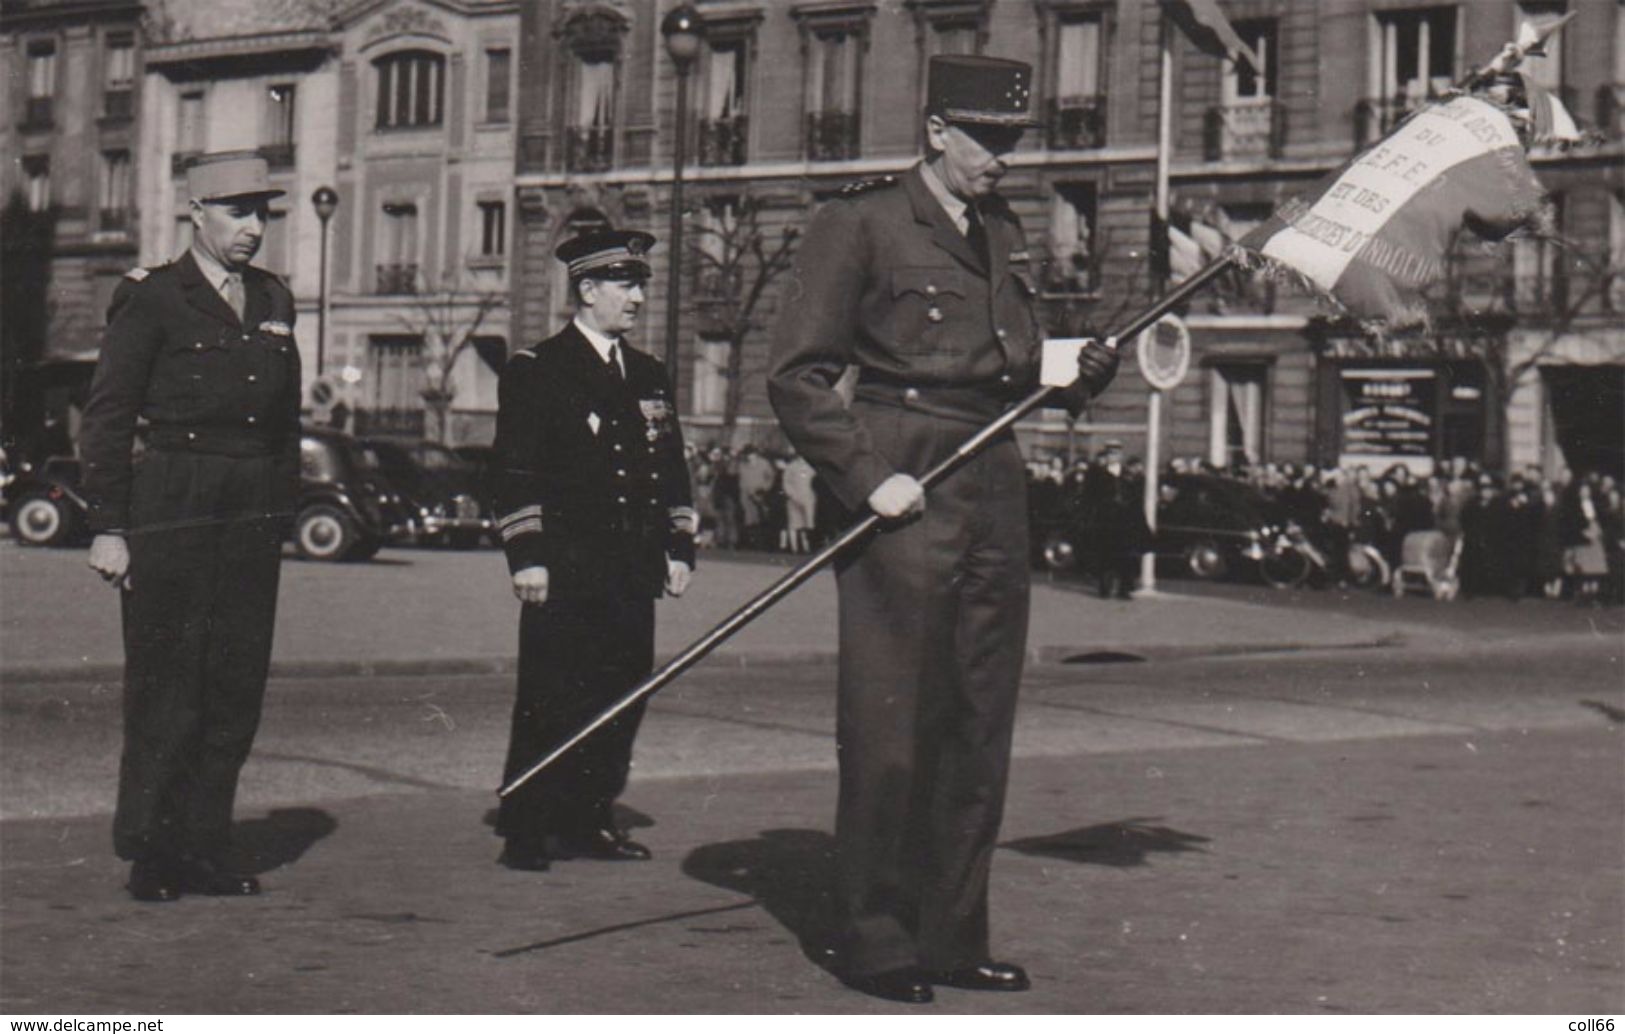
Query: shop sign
column 1389, row 416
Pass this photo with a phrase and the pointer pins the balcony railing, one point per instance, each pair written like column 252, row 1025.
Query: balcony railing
column 398, row 278
column 1255, row 130
column 1375, row 117
column 589, row 148
column 1077, row 122
column 278, row 156
column 1610, row 102
column 38, row 113
column 722, row 141
column 115, row 220
column 179, row 160
column 832, row 135
column 118, row 104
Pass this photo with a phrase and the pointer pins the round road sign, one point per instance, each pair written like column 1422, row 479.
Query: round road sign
column 1164, row 353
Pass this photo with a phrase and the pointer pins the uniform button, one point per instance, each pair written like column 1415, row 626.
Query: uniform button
column 1000, row 332
column 253, row 377
column 621, row 499
column 654, row 477
column 245, row 337
column 198, row 346
column 620, row 473
column 930, row 290
column 1004, row 379
column 251, row 420
column 617, row 446
column 911, row 394
column 191, row 436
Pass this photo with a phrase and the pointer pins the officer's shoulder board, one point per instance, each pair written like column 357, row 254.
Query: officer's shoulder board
column 857, row 188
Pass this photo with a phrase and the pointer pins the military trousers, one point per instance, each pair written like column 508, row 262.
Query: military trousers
column 205, row 562
column 576, row 657
column 933, row 630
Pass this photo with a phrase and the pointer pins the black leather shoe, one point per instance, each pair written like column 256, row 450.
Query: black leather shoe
column 206, row 876
column 153, row 881
column 524, row 857
column 895, row 985
column 989, row 976
column 606, row 844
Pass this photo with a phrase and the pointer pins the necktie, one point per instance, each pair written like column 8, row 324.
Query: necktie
column 615, row 360
column 234, row 293
column 976, row 233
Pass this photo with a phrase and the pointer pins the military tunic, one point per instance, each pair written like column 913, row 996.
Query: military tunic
column 203, row 512
column 933, row 611
column 592, row 485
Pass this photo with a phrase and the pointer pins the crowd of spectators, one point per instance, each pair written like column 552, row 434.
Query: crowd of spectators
column 1523, row 534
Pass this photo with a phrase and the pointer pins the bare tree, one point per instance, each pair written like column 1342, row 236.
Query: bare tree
column 736, row 259
column 447, row 316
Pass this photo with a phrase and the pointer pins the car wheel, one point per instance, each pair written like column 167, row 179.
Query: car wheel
column 41, row 521
column 324, row 533
column 1207, row 560
column 1059, row 554
column 1284, row 568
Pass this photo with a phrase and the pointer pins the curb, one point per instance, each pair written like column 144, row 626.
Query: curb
column 766, row 657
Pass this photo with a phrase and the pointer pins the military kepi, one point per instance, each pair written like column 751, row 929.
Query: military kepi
column 987, row 91
column 229, row 176
column 607, row 254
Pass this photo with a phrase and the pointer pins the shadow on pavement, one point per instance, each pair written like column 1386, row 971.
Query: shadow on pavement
column 282, row 837
column 1119, row 844
column 790, row 873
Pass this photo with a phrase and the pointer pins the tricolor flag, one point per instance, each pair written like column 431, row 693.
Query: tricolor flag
column 1207, row 27
column 1375, row 233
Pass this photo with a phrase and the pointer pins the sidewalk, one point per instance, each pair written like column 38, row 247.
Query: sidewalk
column 433, row 612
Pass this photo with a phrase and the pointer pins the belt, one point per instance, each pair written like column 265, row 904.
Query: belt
column 217, row 441
column 968, row 403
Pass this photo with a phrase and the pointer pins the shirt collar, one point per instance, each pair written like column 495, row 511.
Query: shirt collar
column 600, row 341
column 954, row 206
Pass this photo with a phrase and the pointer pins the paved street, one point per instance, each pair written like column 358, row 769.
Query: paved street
column 1289, row 804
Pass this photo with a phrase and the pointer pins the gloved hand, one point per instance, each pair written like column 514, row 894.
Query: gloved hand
column 1097, row 365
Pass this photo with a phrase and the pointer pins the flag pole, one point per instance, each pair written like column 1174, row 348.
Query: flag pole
column 791, row 581
column 1164, row 248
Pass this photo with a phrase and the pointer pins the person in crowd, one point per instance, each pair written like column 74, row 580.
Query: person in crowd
column 756, row 479
column 1114, row 513
column 1585, row 540
column 202, row 350
column 597, row 520
column 801, row 504
column 725, row 498
column 923, row 282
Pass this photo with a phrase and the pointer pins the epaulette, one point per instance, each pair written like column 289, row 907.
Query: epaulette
column 858, row 188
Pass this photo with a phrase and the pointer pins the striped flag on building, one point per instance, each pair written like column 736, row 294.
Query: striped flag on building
column 1377, row 231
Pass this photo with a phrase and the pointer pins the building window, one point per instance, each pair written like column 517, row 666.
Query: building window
column 37, row 169
column 1539, row 274
column 954, row 37
column 398, row 265
column 189, row 130
column 396, row 361
column 411, row 89
column 1546, row 69
column 723, row 129
column 1413, row 57
column 1077, row 106
column 278, row 148
column 498, row 74
column 41, row 82
column 1248, row 122
column 1073, row 266
column 834, row 93
column 115, row 192
column 711, row 377
column 1237, row 413
column 118, row 79
column 493, row 229
column 590, row 143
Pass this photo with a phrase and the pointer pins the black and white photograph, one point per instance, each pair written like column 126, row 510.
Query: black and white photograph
column 1105, row 509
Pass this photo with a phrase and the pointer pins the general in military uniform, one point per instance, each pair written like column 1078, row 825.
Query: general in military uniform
column 924, row 283
column 201, row 351
column 596, row 518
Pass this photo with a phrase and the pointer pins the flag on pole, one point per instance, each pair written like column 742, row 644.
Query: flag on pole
column 1206, row 26
column 1550, row 121
column 1376, row 232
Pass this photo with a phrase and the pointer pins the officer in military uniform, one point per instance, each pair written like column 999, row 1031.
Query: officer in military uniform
column 923, row 282
column 597, row 520
column 201, row 351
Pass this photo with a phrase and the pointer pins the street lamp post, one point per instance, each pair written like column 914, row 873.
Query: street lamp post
column 326, row 202
column 680, row 28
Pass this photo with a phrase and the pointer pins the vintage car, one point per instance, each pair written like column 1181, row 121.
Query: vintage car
column 347, row 510
column 442, row 488
column 1213, row 526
